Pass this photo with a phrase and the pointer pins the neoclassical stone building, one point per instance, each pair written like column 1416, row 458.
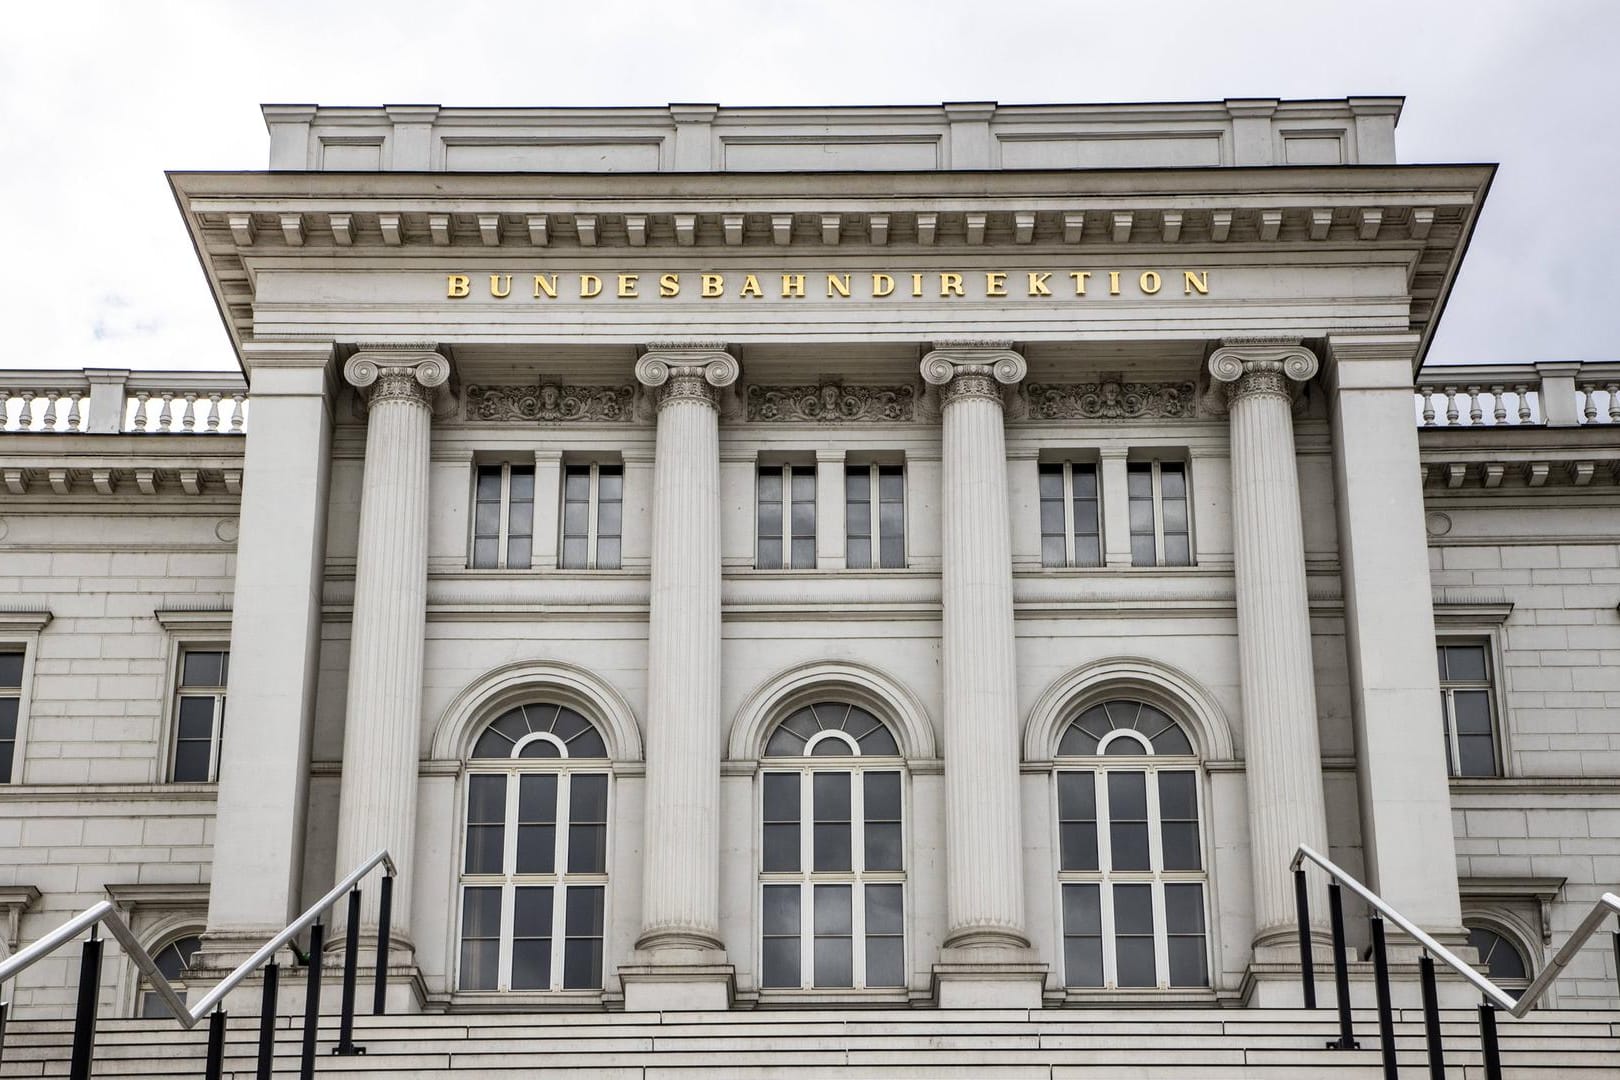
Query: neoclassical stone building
column 773, row 558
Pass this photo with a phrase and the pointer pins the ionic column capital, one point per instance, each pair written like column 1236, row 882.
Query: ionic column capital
column 972, row 369
column 413, row 374
column 1262, row 365
column 687, row 371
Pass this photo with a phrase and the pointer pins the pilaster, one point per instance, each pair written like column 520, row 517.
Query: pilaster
column 680, row 957
column 986, row 960
column 831, row 528
column 1116, row 507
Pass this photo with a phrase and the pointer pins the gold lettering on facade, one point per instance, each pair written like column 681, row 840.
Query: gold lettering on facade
column 500, row 286
column 627, row 286
column 1148, row 282
column 916, row 284
column 457, row 286
column 882, row 285
column 1113, row 283
column 838, row 284
column 951, row 285
column 669, row 285
column 1080, row 277
column 589, row 285
column 1037, row 283
column 1191, row 281
column 713, row 285
column 995, row 283
column 751, row 287
column 793, row 285
column 543, row 284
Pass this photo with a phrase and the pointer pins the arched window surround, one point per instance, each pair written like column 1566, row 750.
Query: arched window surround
column 879, row 693
column 1161, row 685
column 158, row 938
column 524, row 681
column 1516, row 933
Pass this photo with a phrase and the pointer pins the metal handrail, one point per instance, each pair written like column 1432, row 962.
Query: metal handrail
column 105, row 913
column 1606, row 905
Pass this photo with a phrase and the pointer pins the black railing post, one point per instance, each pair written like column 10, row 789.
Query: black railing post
column 1488, row 1046
column 1386, row 1015
column 1431, row 1018
column 351, row 946
column 1616, row 935
column 1341, row 973
column 215, row 1067
column 267, row 1020
column 1302, row 912
column 385, row 911
column 84, row 1017
column 312, row 1002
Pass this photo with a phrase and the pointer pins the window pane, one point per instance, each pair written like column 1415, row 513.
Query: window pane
column 577, row 483
column 804, row 553
column 531, row 938
column 885, row 940
column 1172, row 479
column 1139, row 479
column 1133, row 935
column 519, row 552
column 480, row 937
column 804, row 485
column 489, row 483
column 1082, row 936
column 191, row 761
column 487, row 519
column 1465, row 663
column 587, row 825
column 575, row 553
column 537, row 816
column 885, row 961
column 484, row 554
column 11, row 665
column 486, row 817
column 1472, row 711
column 858, row 554
column 1184, row 923
column 1052, row 517
column 1177, row 550
column 202, row 669
column 607, row 553
column 892, row 554
column 832, row 827
column 770, row 553
column 582, row 926
column 1128, row 826
column 1178, row 813
column 196, row 720
column 892, row 483
column 1077, row 820
column 609, row 518
column 1054, row 552
column 882, row 808
column 1478, row 755
column 780, row 965
column 781, row 824
column 1142, row 553
column 609, row 483
column 834, row 954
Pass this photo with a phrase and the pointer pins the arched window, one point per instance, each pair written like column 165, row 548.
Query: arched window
column 1503, row 961
column 1131, row 854
column 832, row 867
column 174, row 961
column 534, row 871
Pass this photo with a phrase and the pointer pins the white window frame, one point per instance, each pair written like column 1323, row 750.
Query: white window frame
column 1105, row 877
column 1157, row 462
column 20, row 636
column 1069, row 533
column 857, row 878
column 874, row 503
column 593, row 521
column 787, row 469
column 503, row 536
column 1493, row 698
column 560, row 880
column 177, row 691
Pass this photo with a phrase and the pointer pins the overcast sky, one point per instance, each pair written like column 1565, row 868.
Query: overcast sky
column 97, row 99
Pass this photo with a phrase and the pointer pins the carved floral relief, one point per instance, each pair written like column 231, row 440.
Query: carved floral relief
column 831, row 402
column 1110, row 400
column 551, row 402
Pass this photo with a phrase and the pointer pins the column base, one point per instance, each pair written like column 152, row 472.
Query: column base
column 667, row 984
column 988, row 978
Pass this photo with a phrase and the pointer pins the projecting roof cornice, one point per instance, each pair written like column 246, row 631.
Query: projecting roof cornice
column 1420, row 216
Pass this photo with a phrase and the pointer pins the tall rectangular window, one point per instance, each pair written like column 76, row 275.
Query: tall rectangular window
column 785, row 521
column 1467, row 710
column 199, row 714
column 1160, row 529
column 11, row 670
column 593, row 517
column 1071, row 527
column 503, row 517
column 875, row 517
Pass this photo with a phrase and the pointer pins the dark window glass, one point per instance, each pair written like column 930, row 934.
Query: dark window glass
column 1128, row 820
column 831, row 838
column 1077, row 820
column 768, row 527
column 1184, row 934
column 781, row 823
column 480, row 937
column 891, row 516
column 582, row 930
column 1501, row 957
column 501, row 737
column 1173, row 504
column 537, row 822
column 803, row 518
column 858, row 517
column 520, row 518
column 531, row 937
column 486, row 824
column 834, row 936
column 11, row 668
column 781, row 936
column 1133, row 935
column 198, row 669
column 587, row 824
column 609, row 516
column 487, row 518
column 8, row 736
column 1178, row 818
column 1139, row 487
column 173, row 961
column 882, row 810
column 1087, row 521
column 885, row 935
column 1082, row 936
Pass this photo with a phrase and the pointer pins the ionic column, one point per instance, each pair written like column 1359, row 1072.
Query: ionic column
column 381, row 732
column 1284, row 757
column 680, row 914
column 984, row 856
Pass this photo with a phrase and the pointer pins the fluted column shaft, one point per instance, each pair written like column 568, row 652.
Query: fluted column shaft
column 1281, row 743
column 984, row 856
column 681, row 851
column 382, row 720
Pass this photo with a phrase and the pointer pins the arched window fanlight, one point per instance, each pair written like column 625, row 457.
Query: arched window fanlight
column 174, row 962
column 540, row 731
column 831, row 729
column 1123, row 728
column 1502, row 958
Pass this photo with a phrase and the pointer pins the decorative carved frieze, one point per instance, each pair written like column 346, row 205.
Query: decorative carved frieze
column 551, row 402
column 831, row 402
column 1111, row 399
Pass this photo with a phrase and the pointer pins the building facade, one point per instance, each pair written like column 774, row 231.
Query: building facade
column 750, row 558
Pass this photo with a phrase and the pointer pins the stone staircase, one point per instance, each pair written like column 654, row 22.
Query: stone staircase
column 1208, row 1044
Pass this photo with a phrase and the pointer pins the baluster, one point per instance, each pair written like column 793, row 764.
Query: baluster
column 351, row 946
column 52, row 397
column 1525, row 413
column 188, row 411
column 385, row 911
column 166, row 412
column 1613, row 390
column 1431, row 1018
column 1386, row 1015
column 214, row 1067
column 312, row 1002
column 1489, row 1048
column 5, row 409
column 1451, row 406
column 267, row 1021
column 1302, row 914
column 84, row 1016
column 1341, row 972
column 213, row 411
column 1589, row 396
column 1476, row 411
column 141, row 397
column 1499, row 401
column 27, row 415
column 1427, row 397
column 237, row 404
column 75, row 416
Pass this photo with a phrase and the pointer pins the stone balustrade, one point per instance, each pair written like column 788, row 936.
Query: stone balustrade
column 1565, row 394
column 114, row 401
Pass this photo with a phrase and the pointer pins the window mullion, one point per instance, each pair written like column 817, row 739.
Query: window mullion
column 1161, row 934
column 1068, row 513
column 807, row 895
column 1158, row 516
column 562, row 815
column 503, row 977
column 590, row 519
column 857, row 890
column 501, row 527
column 1161, row 959
column 873, row 504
